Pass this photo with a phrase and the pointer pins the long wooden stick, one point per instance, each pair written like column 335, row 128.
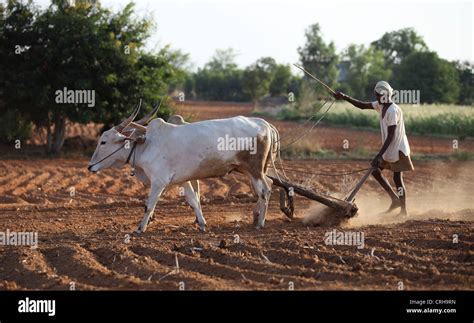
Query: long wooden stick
column 315, row 78
column 337, row 204
column 356, row 189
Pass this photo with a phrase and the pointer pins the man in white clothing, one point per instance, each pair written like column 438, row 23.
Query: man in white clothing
column 395, row 152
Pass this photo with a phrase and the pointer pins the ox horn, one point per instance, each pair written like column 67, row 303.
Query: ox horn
column 146, row 119
column 129, row 120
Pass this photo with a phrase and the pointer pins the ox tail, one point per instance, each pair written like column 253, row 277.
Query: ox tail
column 275, row 151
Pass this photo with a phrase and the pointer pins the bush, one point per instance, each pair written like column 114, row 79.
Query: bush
column 13, row 127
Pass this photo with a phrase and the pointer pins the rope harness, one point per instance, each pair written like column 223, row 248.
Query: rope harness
column 132, row 151
column 304, row 135
column 312, row 127
column 327, row 173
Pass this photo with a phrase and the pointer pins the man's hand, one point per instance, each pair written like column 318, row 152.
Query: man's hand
column 376, row 161
column 339, row 95
column 358, row 104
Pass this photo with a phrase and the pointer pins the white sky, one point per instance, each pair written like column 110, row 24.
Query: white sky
column 257, row 28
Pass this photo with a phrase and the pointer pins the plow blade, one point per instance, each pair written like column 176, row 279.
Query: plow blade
column 348, row 209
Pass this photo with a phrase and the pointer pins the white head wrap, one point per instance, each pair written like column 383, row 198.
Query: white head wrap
column 383, row 88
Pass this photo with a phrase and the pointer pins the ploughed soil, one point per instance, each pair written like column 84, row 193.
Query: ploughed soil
column 85, row 222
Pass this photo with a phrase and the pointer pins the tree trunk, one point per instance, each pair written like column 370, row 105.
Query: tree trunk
column 56, row 141
column 49, row 136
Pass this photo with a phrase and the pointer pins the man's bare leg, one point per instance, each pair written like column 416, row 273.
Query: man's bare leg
column 401, row 190
column 386, row 186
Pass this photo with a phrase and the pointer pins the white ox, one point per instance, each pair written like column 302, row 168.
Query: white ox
column 182, row 153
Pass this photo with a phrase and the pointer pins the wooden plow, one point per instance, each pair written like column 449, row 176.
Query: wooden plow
column 345, row 208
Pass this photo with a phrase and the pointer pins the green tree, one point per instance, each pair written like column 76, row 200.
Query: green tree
column 319, row 57
column 435, row 78
column 466, row 80
column 294, row 85
column 16, row 33
column 364, row 67
column 81, row 47
column 257, row 78
column 397, row 45
column 223, row 60
column 281, row 80
column 220, row 79
column 179, row 67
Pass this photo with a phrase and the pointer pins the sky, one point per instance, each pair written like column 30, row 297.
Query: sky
column 257, row 28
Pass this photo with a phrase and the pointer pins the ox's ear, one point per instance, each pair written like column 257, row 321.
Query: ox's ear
column 131, row 135
column 125, row 135
column 128, row 134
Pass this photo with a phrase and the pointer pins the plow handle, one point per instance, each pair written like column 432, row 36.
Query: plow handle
column 356, row 189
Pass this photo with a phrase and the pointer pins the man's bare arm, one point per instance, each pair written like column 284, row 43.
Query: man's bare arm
column 358, row 104
column 388, row 141
column 378, row 158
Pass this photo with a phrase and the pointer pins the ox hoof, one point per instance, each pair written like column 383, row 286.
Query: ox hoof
column 256, row 215
column 141, row 229
column 137, row 233
column 255, row 222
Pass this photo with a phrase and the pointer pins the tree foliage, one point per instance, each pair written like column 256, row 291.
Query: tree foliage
column 435, row 78
column 319, row 57
column 364, row 68
column 399, row 44
column 220, row 79
column 79, row 47
column 466, row 80
column 257, row 77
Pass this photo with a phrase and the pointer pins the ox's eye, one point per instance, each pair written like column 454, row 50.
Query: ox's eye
column 102, row 142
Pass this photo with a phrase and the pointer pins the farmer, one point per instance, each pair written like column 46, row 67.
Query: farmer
column 395, row 152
